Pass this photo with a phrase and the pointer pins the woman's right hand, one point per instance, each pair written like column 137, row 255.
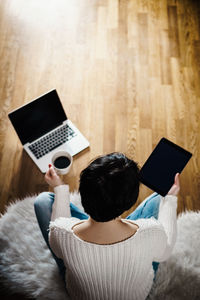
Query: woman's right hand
column 52, row 178
column 175, row 187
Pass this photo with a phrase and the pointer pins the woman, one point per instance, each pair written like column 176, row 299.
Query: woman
column 104, row 256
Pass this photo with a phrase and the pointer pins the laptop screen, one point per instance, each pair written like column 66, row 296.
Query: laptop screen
column 38, row 117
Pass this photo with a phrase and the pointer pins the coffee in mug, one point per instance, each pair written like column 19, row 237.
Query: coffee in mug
column 62, row 161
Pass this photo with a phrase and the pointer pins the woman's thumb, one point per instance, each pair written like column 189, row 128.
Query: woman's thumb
column 176, row 181
column 52, row 171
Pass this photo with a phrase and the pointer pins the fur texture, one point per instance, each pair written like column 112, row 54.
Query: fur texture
column 26, row 264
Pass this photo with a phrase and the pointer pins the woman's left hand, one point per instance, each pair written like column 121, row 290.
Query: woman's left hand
column 52, row 178
column 175, row 187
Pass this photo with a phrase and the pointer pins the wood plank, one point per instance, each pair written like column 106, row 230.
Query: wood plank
column 173, row 31
column 166, row 77
column 143, row 38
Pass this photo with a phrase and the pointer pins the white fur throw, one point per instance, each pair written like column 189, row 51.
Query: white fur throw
column 26, row 264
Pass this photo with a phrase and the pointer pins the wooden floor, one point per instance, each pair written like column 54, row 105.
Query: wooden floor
column 127, row 72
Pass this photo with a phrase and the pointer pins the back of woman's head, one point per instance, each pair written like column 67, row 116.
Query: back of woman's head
column 109, row 186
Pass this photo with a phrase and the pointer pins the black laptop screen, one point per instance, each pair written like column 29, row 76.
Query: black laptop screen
column 38, row 117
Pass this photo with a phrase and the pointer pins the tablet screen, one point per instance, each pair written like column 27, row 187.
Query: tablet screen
column 165, row 161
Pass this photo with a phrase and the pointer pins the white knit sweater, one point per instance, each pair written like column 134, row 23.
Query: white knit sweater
column 120, row 271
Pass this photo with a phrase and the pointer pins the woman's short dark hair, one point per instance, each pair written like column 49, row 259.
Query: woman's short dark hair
column 109, row 186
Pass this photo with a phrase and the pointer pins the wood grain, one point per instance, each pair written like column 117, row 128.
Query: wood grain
column 127, row 72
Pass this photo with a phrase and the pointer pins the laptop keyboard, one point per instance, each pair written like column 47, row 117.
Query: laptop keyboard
column 52, row 141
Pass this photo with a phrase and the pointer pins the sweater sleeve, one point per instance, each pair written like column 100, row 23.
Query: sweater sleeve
column 61, row 205
column 168, row 218
column 57, row 233
column 54, row 241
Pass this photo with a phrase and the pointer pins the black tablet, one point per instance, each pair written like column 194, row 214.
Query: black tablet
column 165, row 161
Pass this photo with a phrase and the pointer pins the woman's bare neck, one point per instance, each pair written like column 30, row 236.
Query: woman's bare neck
column 105, row 232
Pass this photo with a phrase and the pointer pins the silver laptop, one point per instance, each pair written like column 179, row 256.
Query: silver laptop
column 43, row 128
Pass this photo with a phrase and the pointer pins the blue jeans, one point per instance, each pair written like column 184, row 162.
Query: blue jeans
column 43, row 208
